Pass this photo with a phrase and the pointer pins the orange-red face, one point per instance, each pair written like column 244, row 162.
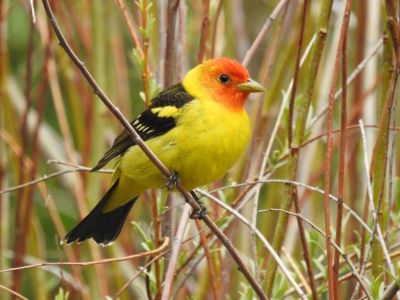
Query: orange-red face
column 229, row 82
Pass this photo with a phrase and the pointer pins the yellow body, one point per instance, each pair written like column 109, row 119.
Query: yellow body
column 208, row 139
column 206, row 142
column 197, row 128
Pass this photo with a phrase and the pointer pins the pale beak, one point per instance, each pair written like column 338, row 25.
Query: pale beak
column 251, row 86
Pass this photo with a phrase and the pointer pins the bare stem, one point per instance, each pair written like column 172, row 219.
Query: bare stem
column 299, row 133
column 130, row 24
column 333, row 275
column 176, row 245
column 268, row 22
column 204, row 32
column 292, row 189
column 154, row 252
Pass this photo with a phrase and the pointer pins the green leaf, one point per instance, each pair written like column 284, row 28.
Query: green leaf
column 140, row 230
column 377, row 287
column 61, row 295
column 138, row 57
column 143, row 33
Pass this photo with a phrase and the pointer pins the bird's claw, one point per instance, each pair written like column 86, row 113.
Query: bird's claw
column 199, row 214
column 172, row 181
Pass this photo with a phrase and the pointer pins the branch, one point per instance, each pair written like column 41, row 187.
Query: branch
column 350, row 79
column 204, row 32
column 153, row 158
column 319, row 230
column 116, row 296
column 391, row 291
column 291, row 190
column 341, row 55
column 332, row 278
column 14, row 293
column 131, row 26
column 169, row 276
column 52, row 175
column 261, row 237
column 156, row 251
column 250, row 52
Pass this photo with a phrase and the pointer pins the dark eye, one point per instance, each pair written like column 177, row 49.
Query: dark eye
column 223, row 78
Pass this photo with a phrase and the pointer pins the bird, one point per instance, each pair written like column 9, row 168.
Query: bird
column 198, row 128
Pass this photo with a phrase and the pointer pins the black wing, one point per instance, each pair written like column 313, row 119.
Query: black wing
column 149, row 123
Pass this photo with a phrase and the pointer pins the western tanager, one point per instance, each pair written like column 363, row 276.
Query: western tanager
column 198, row 128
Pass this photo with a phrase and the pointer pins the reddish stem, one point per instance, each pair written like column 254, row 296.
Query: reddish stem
column 204, row 32
column 332, row 288
column 294, row 152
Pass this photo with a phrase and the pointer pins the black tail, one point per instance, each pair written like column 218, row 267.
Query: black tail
column 103, row 227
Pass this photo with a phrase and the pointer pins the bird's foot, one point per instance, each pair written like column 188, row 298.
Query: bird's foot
column 198, row 214
column 172, row 181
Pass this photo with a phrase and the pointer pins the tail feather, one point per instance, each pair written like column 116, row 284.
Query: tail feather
column 103, row 227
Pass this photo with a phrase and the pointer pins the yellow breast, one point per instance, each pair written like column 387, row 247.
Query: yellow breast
column 207, row 140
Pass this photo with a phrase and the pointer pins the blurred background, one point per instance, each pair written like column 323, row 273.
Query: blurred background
column 53, row 128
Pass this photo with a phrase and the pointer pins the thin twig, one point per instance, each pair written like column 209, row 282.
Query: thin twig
column 342, row 154
column 131, row 26
column 205, row 24
column 14, row 293
column 379, row 160
column 342, row 253
column 24, row 207
column 292, row 189
column 142, row 269
column 332, row 288
column 157, row 240
column 169, row 77
column 296, row 268
column 376, row 227
column 160, row 249
column 283, row 105
column 303, row 185
column 181, row 40
column 32, row 6
column 52, row 175
column 54, row 214
column 145, row 67
column 296, row 73
column 261, row 237
column 176, row 245
column 253, row 48
column 215, row 282
column 346, row 276
column 169, row 71
column 391, row 291
column 215, row 28
column 350, row 79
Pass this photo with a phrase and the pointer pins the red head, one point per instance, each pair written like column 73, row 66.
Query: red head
column 223, row 80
